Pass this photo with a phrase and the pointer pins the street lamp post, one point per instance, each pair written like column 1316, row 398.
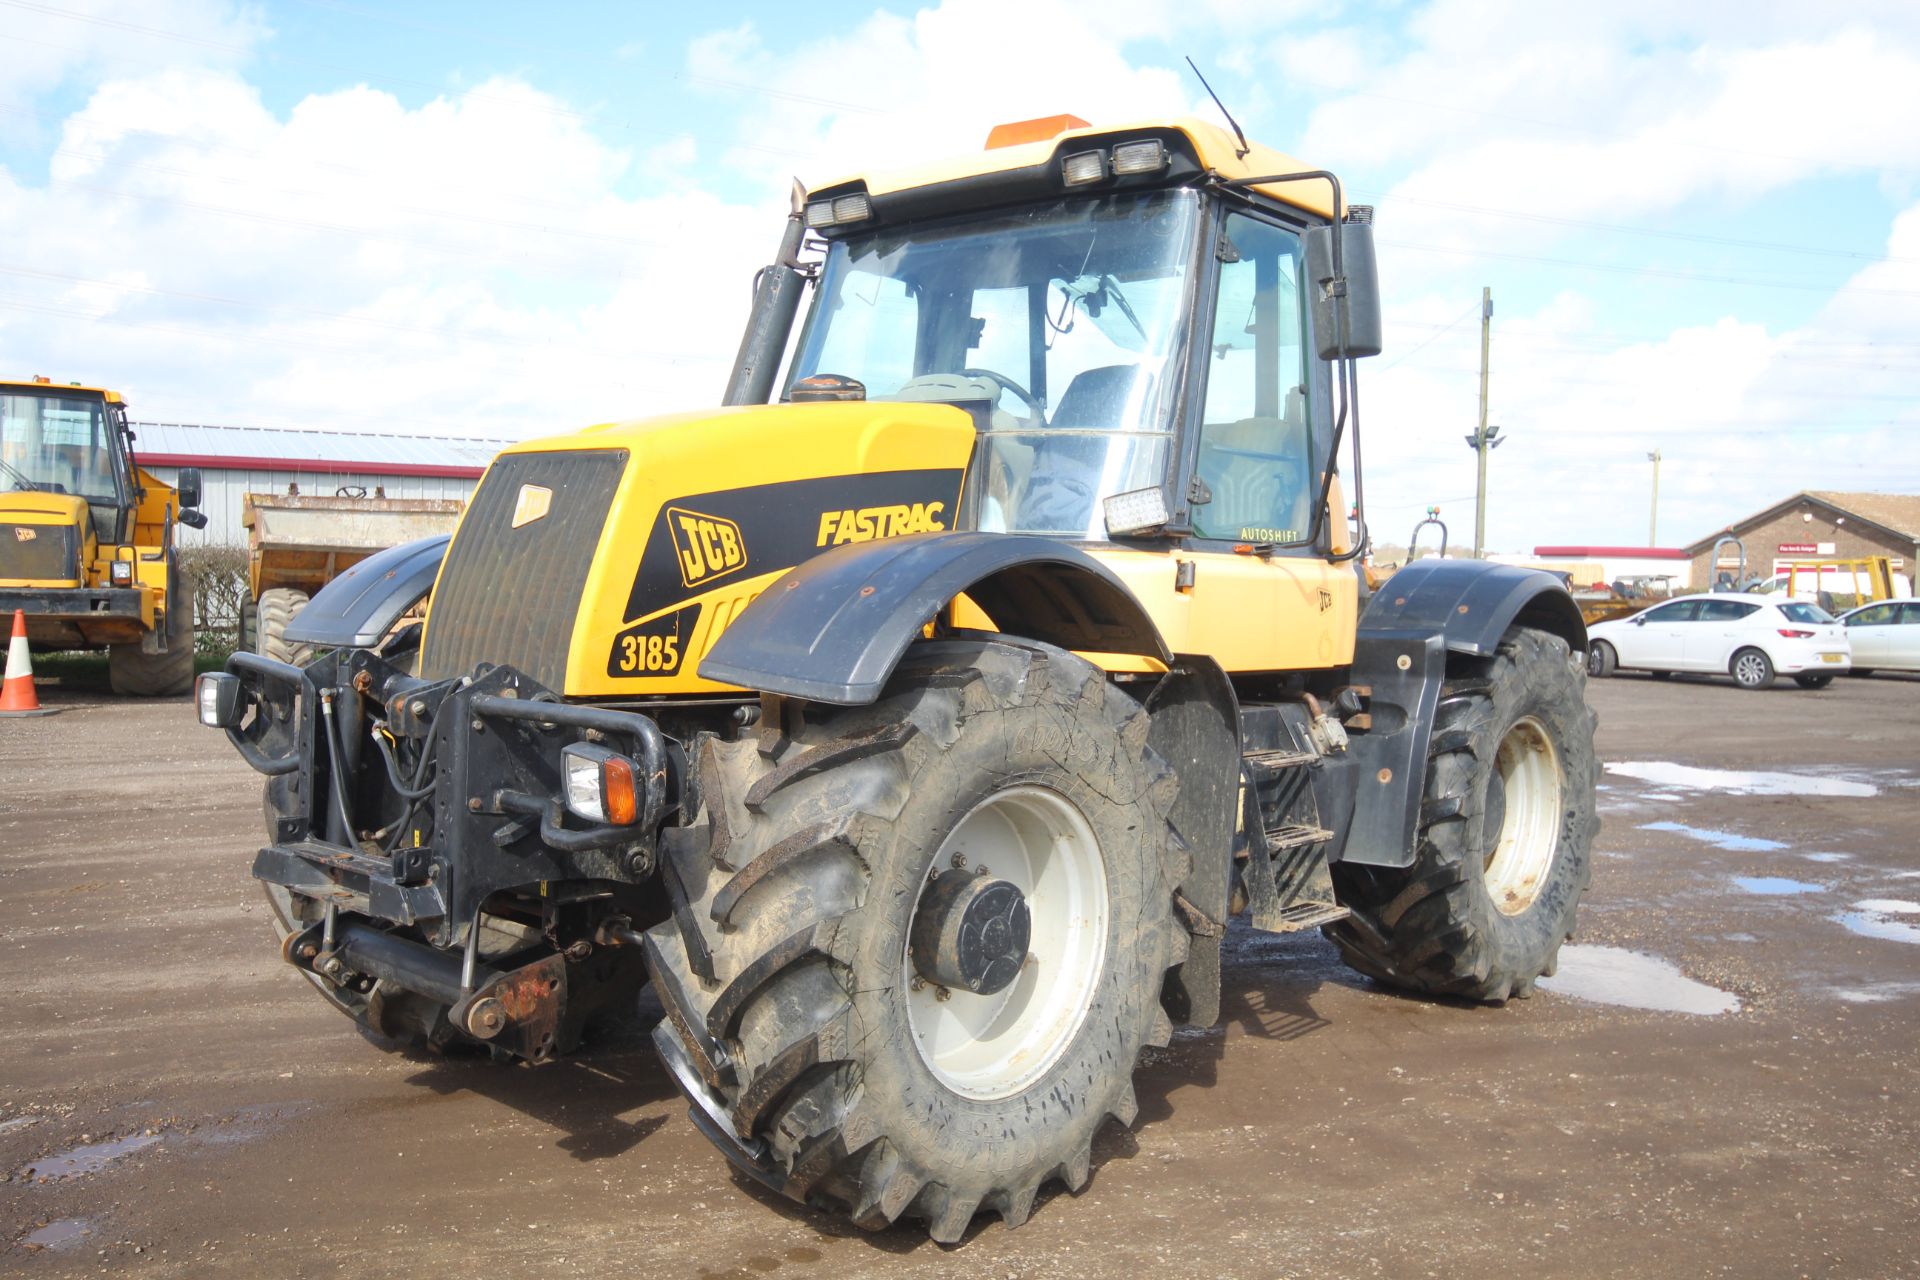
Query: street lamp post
column 1653, row 517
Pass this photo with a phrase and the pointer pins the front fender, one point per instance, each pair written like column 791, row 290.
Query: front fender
column 833, row 629
column 357, row 608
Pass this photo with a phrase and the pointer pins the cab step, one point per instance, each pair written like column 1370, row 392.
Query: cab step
column 1301, row 915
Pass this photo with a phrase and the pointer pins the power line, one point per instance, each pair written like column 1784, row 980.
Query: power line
column 1686, row 277
column 1772, row 246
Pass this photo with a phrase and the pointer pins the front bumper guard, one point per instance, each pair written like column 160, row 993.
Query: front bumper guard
column 483, row 815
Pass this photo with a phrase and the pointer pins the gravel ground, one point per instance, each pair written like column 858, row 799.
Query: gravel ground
column 1722, row 1080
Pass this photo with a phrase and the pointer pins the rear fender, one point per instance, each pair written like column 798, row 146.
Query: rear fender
column 833, row 629
column 1428, row 610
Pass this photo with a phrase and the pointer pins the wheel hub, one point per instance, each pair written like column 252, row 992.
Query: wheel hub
column 971, row 933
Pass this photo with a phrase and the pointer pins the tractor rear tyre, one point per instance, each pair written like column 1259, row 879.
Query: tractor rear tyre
column 131, row 672
column 1506, row 831
column 912, row 965
column 277, row 610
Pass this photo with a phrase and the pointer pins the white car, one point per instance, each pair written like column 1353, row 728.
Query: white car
column 1884, row 636
column 1749, row 637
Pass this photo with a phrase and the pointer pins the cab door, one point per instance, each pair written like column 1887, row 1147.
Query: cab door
column 1263, row 598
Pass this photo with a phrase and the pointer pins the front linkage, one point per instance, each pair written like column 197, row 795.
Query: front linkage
column 461, row 858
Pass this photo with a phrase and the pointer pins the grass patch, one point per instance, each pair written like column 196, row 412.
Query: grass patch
column 87, row 669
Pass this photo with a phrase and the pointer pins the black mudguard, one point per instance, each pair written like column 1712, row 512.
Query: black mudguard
column 1422, row 613
column 833, row 629
column 359, row 607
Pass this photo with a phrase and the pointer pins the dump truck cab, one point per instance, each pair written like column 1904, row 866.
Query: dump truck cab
column 916, row 722
column 89, row 553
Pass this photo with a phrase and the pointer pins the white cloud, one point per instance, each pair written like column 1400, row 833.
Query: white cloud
column 85, row 40
column 465, row 266
column 934, row 83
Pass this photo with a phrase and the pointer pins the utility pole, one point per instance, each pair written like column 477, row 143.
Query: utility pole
column 1653, row 519
column 1485, row 438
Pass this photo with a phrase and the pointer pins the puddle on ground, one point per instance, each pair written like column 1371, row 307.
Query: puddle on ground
column 91, row 1158
column 1876, row 992
column 63, row 1234
column 1827, row 857
column 1614, row 975
column 1719, row 839
column 1738, row 781
column 1776, row 886
column 1874, row 918
column 19, row 1122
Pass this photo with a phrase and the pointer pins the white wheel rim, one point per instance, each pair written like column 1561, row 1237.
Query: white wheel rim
column 1522, row 854
column 993, row 1046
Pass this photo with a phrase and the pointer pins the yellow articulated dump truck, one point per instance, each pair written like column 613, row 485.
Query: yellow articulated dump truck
column 87, row 536
column 918, row 722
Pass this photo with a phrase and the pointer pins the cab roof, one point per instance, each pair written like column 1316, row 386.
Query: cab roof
column 1216, row 149
column 32, row 384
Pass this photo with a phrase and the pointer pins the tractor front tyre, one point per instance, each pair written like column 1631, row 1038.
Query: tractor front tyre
column 1507, row 824
column 914, row 959
column 132, row 672
column 277, row 609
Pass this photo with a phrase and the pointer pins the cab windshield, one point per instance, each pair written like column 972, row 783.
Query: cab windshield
column 1067, row 317
column 60, row 444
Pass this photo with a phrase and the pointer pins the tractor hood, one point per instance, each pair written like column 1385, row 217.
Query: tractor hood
column 606, row 563
column 43, row 508
column 43, row 538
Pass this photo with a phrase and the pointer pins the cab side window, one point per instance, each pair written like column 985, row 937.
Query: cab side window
column 1254, row 457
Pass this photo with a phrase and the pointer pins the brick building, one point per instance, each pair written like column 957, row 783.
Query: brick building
column 1818, row 525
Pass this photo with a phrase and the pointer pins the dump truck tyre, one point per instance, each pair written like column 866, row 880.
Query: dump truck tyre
column 133, row 673
column 1507, row 824
column 815, row 1054
column 277, row 609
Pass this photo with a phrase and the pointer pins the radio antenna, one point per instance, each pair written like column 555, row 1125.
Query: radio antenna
column 1244, row 147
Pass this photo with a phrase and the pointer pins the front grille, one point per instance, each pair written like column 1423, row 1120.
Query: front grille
column 39, row 552
column 509, row 596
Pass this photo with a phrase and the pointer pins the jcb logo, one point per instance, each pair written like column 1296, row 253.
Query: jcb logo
column 708, row 546
column 869, row 523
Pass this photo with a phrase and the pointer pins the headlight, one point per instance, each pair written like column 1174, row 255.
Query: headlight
column 122, row 573
column 600, row 784
column 216, row 695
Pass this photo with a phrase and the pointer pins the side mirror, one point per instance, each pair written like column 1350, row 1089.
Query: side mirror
column 1354, row 301
column 194, row 519
column 1640, row 621
column 187, row 487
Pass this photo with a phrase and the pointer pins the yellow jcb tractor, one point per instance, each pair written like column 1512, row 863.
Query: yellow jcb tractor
column 86, row 536
column 918, row 724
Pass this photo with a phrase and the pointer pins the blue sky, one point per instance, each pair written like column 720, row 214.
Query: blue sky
column 1701, row 223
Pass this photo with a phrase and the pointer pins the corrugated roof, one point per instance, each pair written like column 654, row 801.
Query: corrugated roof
column 211, row 445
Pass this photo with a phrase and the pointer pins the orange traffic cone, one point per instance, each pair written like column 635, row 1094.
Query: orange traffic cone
column 17, row 697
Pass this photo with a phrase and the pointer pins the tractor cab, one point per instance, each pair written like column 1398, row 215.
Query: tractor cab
column 1134, row 322
column 67, row 442
column 87, row 548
